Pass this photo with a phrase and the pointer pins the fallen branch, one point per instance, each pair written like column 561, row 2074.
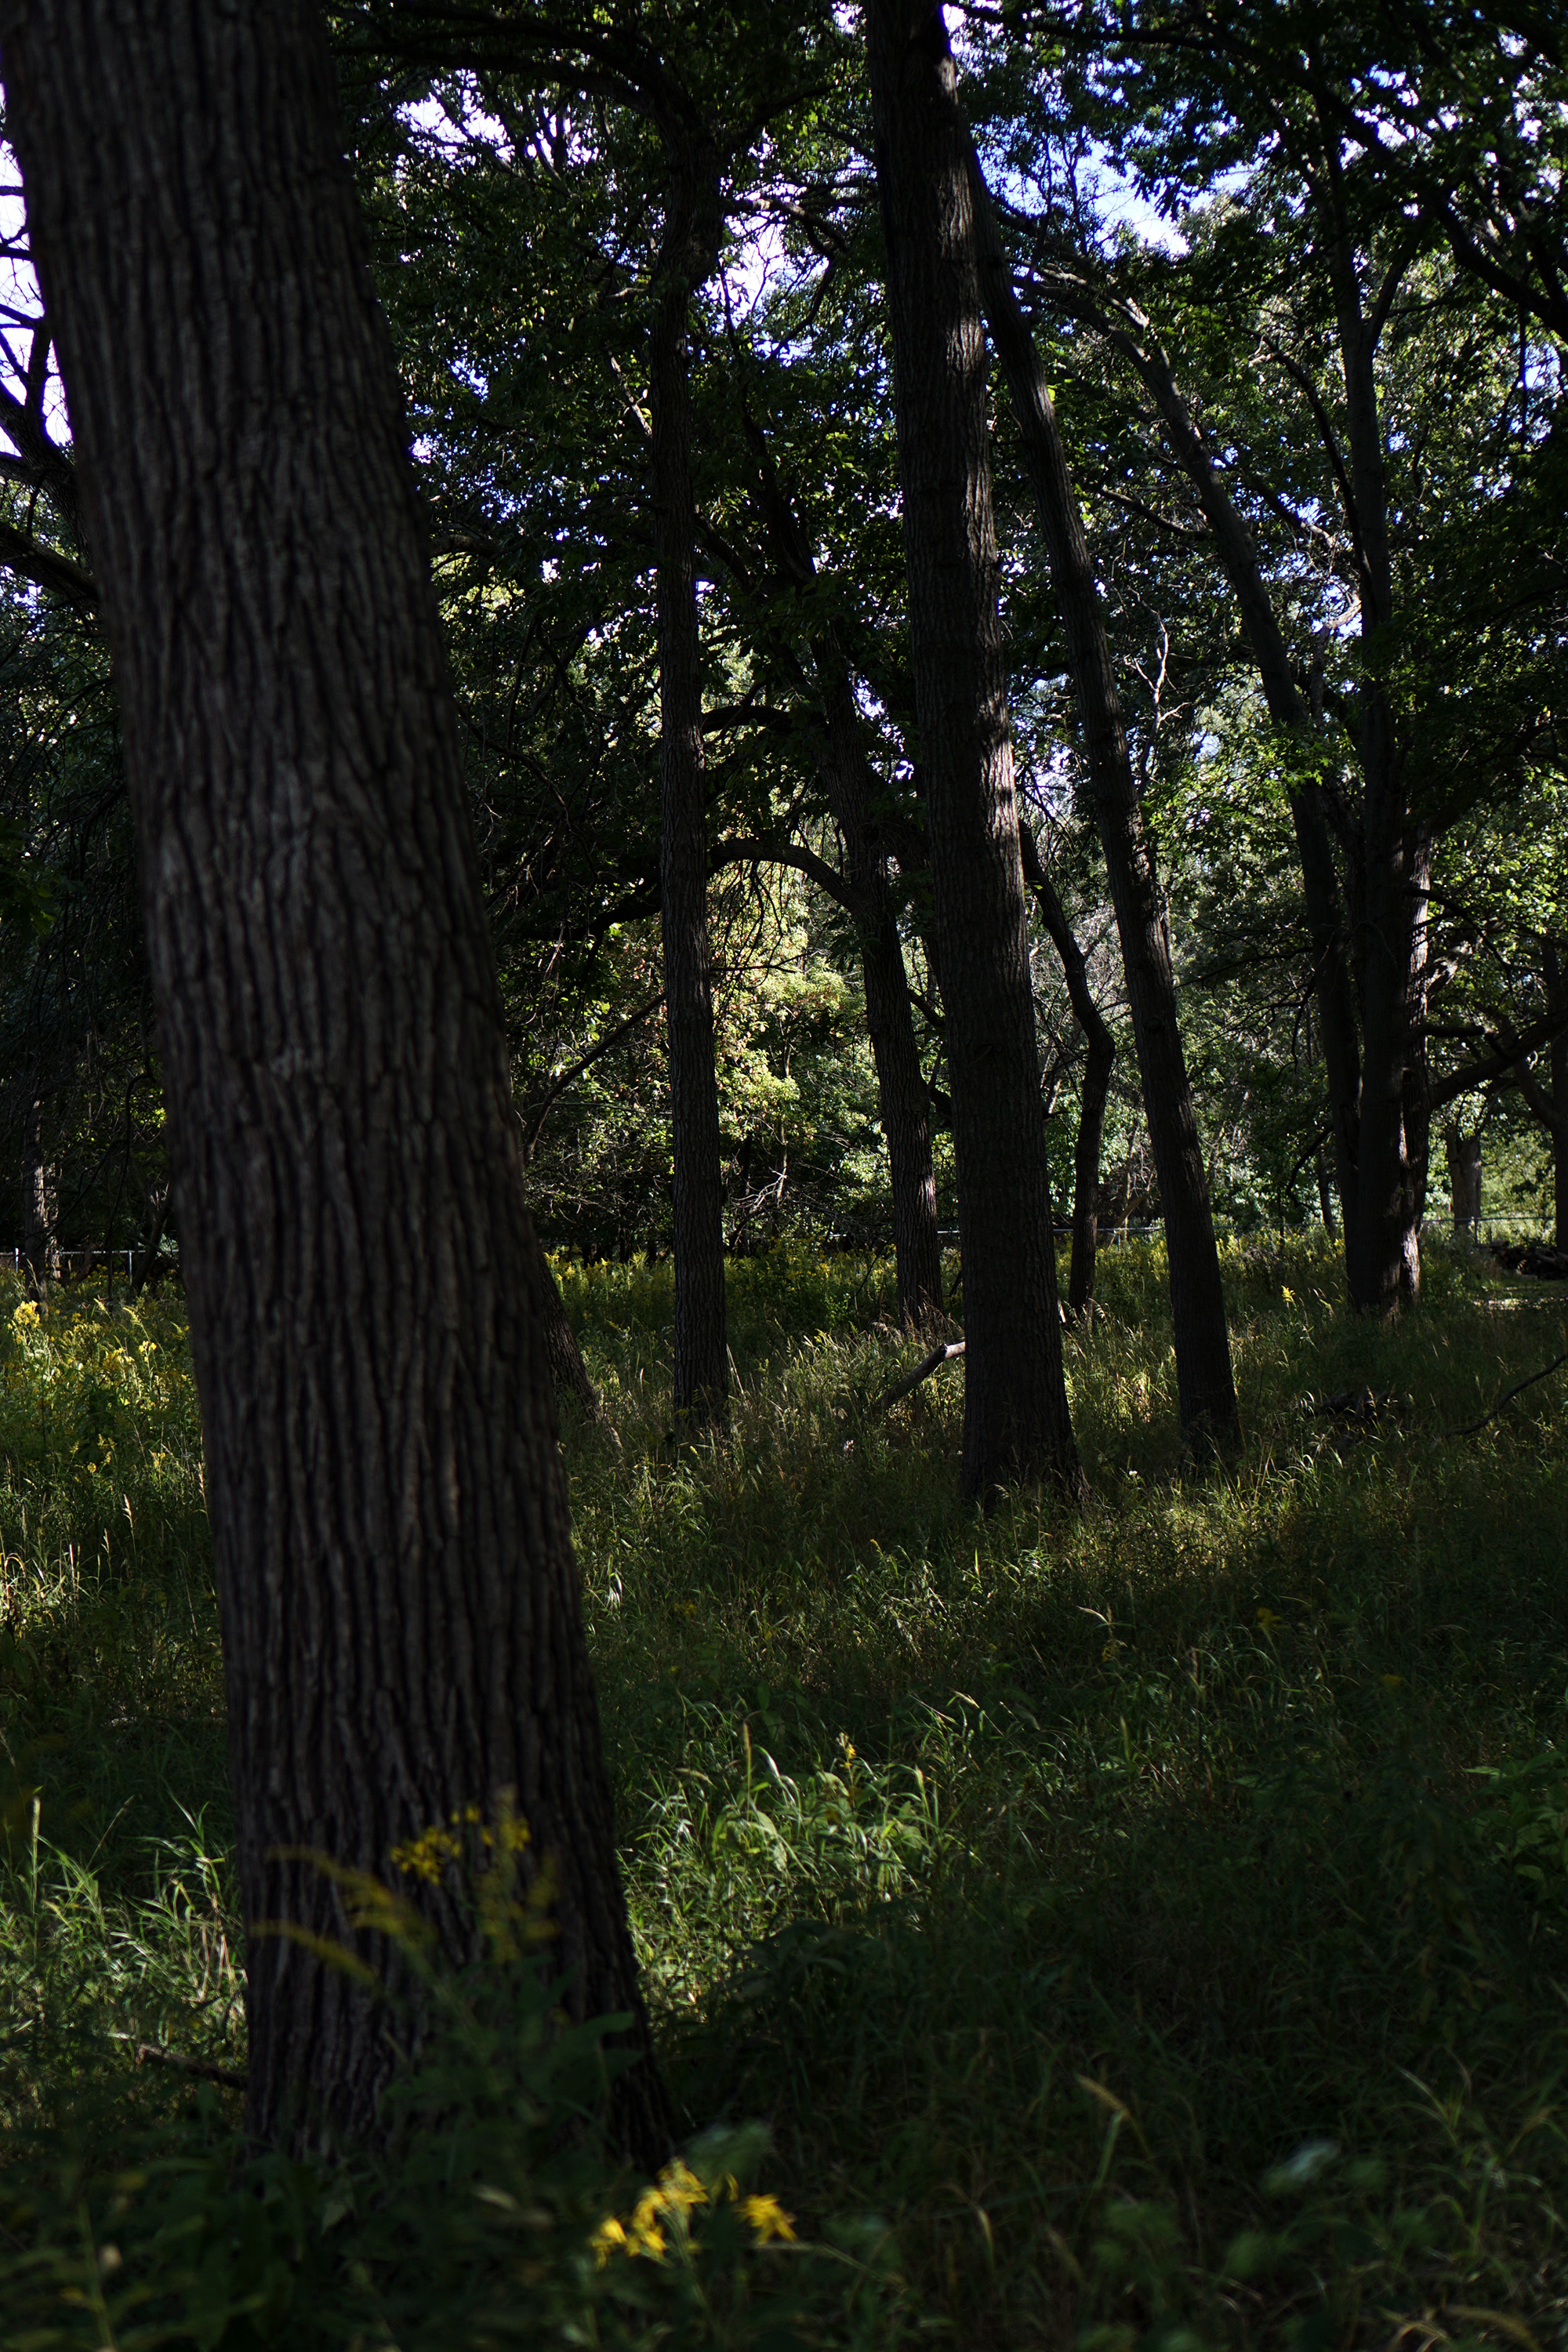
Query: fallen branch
column 1470, row 1427
column 923, row 1371
column 147, row 2056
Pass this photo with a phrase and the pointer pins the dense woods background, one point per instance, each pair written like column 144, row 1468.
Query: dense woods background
column 1184, row 210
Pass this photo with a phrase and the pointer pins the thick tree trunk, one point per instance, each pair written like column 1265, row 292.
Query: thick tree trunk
column 1097, row 1069
column 401, row 1619
column 1205, row 1387
column 702, row 1358
column 1017, row 1423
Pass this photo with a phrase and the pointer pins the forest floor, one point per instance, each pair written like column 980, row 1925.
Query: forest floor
column 1156, row 1914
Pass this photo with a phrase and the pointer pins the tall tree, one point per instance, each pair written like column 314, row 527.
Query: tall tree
column 1205, row 1386
column 401, row 1619
column 1327, row 497
column 1017, row 1421
column 849, row 791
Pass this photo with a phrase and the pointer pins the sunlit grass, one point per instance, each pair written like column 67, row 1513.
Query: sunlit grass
column 1158, row 1911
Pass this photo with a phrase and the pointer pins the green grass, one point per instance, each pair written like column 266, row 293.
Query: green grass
column 1157, row 1912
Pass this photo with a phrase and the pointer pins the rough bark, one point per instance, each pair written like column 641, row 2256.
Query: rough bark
column 401, row 1619
column 686, row 258
column 1097, row 1075
column 1017, row 1423
column 1205, row 1388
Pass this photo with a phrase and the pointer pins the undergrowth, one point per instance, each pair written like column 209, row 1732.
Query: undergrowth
column 1140, row 1926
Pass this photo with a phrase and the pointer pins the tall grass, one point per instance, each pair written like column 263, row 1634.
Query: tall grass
column 1157, row 1912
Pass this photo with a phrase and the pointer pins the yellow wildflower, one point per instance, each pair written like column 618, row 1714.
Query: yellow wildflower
column 1268, row 1619
column 646, row 2236
column 767, row 2218
column 680, row 2189
column 607, row 2239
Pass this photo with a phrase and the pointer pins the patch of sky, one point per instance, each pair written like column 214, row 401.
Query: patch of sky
column 21, row 305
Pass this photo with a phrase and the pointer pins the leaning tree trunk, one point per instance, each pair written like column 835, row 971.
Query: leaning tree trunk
column 900, row 1082
column 702, row 1360
column 1205, row 1388
column 1015, row 1411
column 1237, row 553
column 402, row 1630
column 1098, row 1067
column 905, row 1118
column 903, row 1096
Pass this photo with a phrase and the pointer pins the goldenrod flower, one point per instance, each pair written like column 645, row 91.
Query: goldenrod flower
column 609, row 2236
column 767, row 2218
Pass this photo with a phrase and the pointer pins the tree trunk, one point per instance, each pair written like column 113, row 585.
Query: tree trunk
column 1098, row 1068
column 906, row 1121
column 1017, row 1423
column 1464, row 1156
column 1205, row 1388
column 567, row 1370
column 401, row 1619
column 1416, row 1103
column 845, row 775
column 1319, row 883
column 702, row 1358
column 900, row 1082
column 1382, row 1246
column 40, row 1243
